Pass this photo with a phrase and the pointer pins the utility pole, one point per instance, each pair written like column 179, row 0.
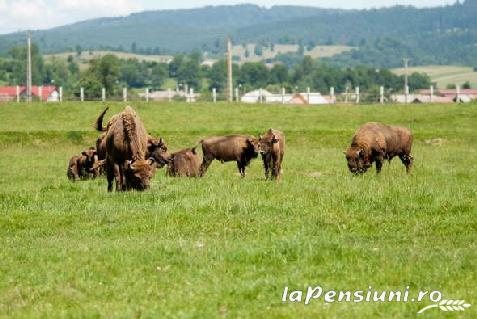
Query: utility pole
column 230, row 89
column 406, row 82
column 28, row 75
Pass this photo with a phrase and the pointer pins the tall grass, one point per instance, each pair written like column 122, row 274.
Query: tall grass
column 223, row 246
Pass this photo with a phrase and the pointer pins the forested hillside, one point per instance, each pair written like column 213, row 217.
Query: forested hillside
column 440, row 35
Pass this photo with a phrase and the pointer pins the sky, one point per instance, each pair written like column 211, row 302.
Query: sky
column 16, row 15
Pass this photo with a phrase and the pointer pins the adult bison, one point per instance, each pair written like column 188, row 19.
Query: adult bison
column 184, row 163
column 272, row 147
column 239, row 148
column 156, row 147
column 126, row 147
column 376, row 142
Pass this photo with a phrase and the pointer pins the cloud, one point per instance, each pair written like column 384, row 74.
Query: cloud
column 18, row 15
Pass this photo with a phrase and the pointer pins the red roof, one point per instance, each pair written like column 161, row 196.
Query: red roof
column 9, row 90
column 12, row 91
column 451, row 91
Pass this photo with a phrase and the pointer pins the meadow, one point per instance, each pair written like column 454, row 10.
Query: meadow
column 223, row 246
column 444, row 75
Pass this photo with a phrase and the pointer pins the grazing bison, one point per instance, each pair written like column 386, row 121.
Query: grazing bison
column 184, row 163
column 376, row 142
column 239, row 148
column 272, row 147
column 126, row 147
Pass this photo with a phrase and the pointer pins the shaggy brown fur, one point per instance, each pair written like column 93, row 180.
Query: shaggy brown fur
column 73, row 172
column 83, row 166
column 184, row 163
column 272, row 147
column 126, row 146
column 376, row 142
column 239, row 148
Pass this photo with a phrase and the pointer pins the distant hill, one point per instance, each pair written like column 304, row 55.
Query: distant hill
column 440, row 35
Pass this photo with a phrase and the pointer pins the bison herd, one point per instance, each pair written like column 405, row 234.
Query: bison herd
column 129, row 156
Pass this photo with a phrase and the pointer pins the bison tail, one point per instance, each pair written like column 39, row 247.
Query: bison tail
column 99, row 121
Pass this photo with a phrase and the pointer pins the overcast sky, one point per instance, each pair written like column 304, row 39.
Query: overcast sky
column 18, row 15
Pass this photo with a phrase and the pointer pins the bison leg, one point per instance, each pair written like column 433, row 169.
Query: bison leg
column 110, row 176
column 407, row 161
column 241, row 168
column 276, row 170
column 266, row 166
column 205, row 165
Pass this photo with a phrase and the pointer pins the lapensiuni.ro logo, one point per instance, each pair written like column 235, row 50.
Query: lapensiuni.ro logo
column 372, row 295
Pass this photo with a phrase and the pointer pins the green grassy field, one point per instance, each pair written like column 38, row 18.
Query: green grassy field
column 444, row 75
column 222, row 246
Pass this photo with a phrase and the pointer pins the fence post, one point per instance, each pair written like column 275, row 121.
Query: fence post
column 125, row 94
column 432, row 94
column 40, row 93
column 332, row 95
column 214, row 95
column 18, row 93
column 457, row 97
column 357, row 95
column 260, row 96
column 308, row 95
column 381, row 94
column 61, row 94
column 147, row 94
column 103, row 94
column 191, row 95
column 406, row 94
column 82, row 94
column 169, row 94
column 283, row 95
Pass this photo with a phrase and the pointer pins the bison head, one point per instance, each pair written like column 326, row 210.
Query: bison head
column 253, row 145
column 267, row 143
column 356, row 159
column 139, row 173
column 90, row 157
column 157, row 149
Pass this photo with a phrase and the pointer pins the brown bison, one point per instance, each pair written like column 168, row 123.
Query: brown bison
column 184, row 163
column 239, row 148
column 126, row 147
column 83, row 166
column 272, row 147
column 156, row 148
column 376, row 142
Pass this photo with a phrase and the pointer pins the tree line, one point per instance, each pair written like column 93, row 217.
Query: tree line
column 113, row 73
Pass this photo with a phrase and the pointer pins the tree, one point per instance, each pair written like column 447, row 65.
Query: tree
column 159, row 74
column 466, row 85
column 279, row 74
column 78, row 50
column 106, row 71
column 217, row 75
column 254, row 74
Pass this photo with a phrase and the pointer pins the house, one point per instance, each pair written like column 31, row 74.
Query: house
column 452, row 93
column 8, row 93
column 48, row 93
column 420, row 98
column 255, row 96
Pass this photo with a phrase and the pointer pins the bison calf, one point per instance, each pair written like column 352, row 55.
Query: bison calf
column 376, row 142
column 272, row 147
column 83, row 166
column 184, row 163
column 239, row 148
